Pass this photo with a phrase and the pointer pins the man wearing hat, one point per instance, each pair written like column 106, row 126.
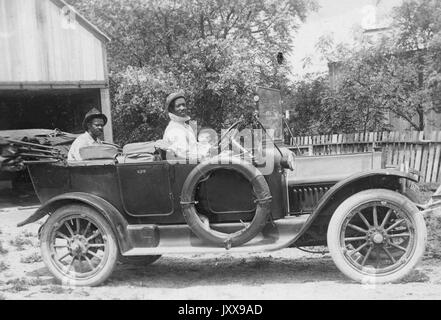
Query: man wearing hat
column 179, row 136
column 93, row 123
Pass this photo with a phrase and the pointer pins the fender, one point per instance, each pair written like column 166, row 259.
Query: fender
column 353, row 179
column 116, row 221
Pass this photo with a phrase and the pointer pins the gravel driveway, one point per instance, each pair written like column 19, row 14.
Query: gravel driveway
column 285, row 274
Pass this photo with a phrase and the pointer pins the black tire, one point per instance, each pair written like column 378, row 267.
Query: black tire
column 261, row 190
column 392, row 228
column 77, row 236
column 139, row 260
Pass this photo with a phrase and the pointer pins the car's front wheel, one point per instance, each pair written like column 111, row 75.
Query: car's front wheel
column 78, row 246
column 376, row 236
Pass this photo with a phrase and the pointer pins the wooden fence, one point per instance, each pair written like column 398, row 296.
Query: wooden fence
column 410, row 149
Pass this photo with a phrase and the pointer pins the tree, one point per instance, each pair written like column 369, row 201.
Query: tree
column 397, row 74
column 217, row 51
column 304, row 98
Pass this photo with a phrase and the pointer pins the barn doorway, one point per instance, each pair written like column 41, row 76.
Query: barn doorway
column 63, row 109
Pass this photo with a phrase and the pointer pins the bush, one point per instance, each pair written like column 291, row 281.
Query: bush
column 33, row 258
column 433, row 222
column 20, row 242
column 22, row 284
column 3, row 266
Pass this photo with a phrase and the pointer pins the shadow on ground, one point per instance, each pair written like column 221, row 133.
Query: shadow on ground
column 13, row 198
column 224, row 270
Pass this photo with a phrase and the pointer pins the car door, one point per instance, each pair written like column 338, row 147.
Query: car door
column 145, row 188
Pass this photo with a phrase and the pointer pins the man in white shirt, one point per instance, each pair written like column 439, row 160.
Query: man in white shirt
column 180, row 137
column 93, row 123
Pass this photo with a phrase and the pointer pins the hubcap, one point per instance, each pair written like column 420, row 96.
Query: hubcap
column 378, row 238
column 78, row 245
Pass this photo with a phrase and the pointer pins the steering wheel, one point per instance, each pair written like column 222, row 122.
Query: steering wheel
column 230, row 137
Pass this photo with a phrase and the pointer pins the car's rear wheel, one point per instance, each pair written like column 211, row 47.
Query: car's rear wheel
column 376, row 236
column 78, row 246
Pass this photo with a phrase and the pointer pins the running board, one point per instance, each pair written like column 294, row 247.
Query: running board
column 179, row 239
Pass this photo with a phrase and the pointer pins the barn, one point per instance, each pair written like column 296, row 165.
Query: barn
column 52, row 67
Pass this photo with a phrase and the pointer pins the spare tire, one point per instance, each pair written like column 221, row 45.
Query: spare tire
column 261, row 191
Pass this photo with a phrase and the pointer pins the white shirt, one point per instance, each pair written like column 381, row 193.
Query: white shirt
column 181, row 138
column 84, row 140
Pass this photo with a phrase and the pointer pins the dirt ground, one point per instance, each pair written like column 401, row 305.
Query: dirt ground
column 285, row 274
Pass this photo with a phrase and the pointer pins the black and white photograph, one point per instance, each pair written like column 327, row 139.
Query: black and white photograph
column 220, row 151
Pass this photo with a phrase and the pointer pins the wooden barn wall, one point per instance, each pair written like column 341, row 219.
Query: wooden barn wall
column 38, row 43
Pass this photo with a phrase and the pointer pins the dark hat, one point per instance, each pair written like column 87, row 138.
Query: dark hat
column 93, row 113
column 172, row 97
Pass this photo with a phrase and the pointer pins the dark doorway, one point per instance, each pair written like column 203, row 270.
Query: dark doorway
column 46, row 109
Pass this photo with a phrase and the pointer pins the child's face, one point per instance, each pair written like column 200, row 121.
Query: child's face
column 204, row 137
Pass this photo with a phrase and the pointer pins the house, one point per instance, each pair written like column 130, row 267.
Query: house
column 53, row 67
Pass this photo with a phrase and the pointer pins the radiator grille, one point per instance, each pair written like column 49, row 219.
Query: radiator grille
column 303, row 199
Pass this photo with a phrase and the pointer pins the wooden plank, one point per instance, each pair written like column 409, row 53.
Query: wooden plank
column 407, row 146
column 384, row 135
column 413, row 149
column 393, row 148
column 393, row 145
column 436, row 163
column 361, row 145
column 418, row 154
column 398, row 148
column 331, row 148
column 334, row 140
column 431, row 155
column 349, row 148
column 389, row 152
column 401, row 149
column 424, row 160
column 340, row 142
column 322, row 148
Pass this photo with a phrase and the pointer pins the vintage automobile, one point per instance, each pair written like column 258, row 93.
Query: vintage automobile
column 102, row 210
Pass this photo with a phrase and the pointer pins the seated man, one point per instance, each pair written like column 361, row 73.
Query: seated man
column 179, row 137
column 93, row 123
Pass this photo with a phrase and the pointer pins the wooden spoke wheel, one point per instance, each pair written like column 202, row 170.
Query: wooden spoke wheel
column 78, row 246
column 376, row 236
